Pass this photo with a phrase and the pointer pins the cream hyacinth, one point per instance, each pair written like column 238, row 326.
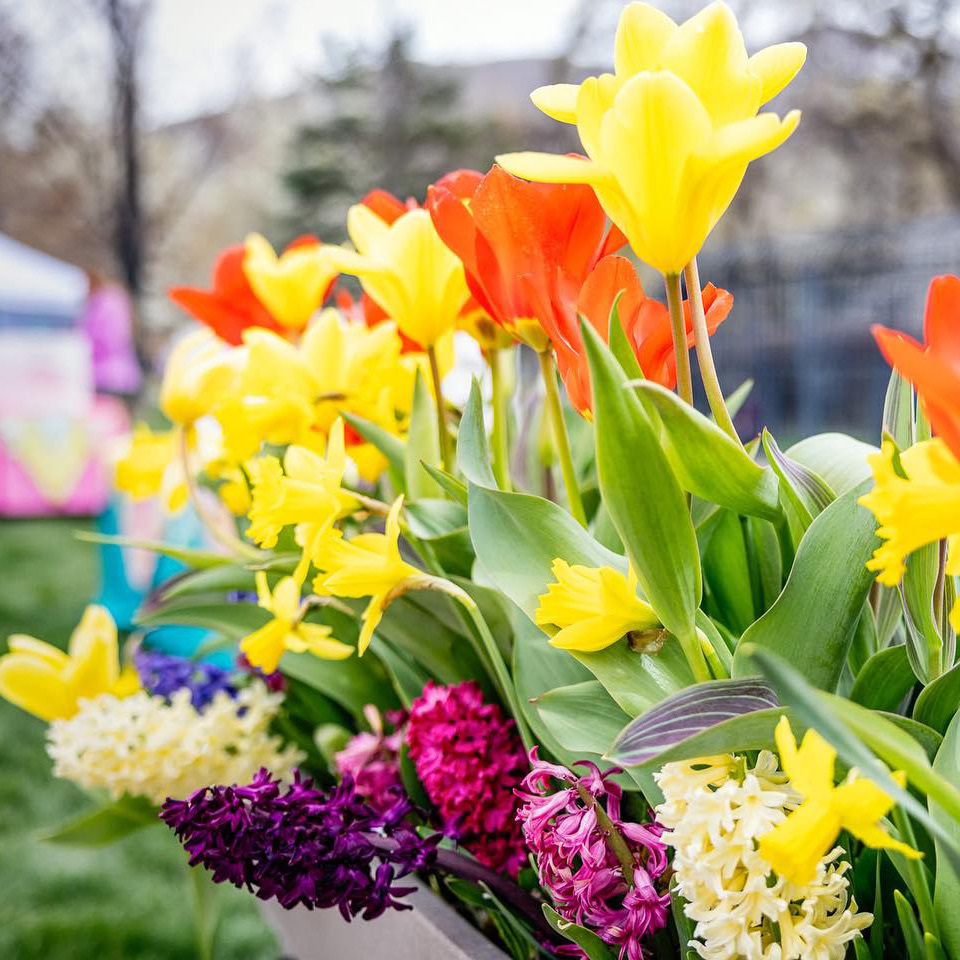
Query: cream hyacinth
column 714, row 810
column 147, row 746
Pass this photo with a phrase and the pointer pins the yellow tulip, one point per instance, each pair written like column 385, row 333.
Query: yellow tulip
column 594, row 607
column 670, row 134
column 796, row 845
column 201, row 369
column 914, row 510
column 287, row 631
column 291, row 286
column 45, row 681
column 408, row 270
column 368, row 565
column 305, row 492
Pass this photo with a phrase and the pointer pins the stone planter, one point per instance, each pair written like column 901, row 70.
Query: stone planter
column 431, row 931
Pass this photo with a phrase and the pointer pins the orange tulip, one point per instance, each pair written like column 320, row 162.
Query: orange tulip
column 933, row 368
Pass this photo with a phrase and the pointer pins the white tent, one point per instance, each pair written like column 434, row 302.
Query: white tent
column 37, row 289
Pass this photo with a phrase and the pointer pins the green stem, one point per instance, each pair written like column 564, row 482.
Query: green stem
column 708, row 370
column 204, row 899
column 693, row 652
column 717, row 668
column 935, row 642
column 446, row 450
column 914, row 868
column 617, row 844
column 501, row 398
column 678, row 329
column 560, row 437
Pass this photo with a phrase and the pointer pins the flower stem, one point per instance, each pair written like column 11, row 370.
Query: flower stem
column 693, row 653
column 915, row 870
column 717, row 668
column 230, row 541
column 501, row 396
column 678, row 329
column 560, row 437
column 617, row 844
column 708, row 371
column 446, row 450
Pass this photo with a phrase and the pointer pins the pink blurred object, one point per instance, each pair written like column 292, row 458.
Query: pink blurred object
column 107, row 320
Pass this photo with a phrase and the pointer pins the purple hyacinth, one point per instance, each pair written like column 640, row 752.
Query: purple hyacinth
column 303, row 845
column 163, row 675
column 581, row 845
column 470, row 760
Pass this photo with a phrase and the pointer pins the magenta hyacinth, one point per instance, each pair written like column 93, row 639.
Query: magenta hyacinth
column 579, row 866
column 470, row 760
column 373, row 760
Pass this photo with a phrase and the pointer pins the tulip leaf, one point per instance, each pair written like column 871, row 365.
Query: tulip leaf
column 450, row 484
column 839, row 460
column 884, row 680
column 939, row 701
column 583, row 717
column 620, row 345
column 946, row 891
column 642, row 495
column 103, row 825
column 813, row 620
column 591, row 945
column 688, row 713
column 473, row 452
column 738, row 398
column 390, row 446
column 806, row 492
column 727, row 573
column 423, row 444
column 709, row 463
column 851, row 730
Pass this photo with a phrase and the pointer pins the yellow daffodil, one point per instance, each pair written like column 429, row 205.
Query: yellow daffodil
column 408, row 270
column 796, row 845
column 45, row 681
column 594, row 607
column 368, row 565
column 201, row 369
column 151, row 465
column 914, row 510
column 234, row 492
column 287, row 631
column 306, row 491
column 670, row 134
column 293, row 285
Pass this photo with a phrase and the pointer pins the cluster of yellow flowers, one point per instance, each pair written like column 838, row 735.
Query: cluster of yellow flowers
column 146, row 746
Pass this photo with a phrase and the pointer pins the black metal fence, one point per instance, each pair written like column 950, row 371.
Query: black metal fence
column 800, row 327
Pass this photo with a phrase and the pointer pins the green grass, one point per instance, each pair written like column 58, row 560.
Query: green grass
column 127, row 901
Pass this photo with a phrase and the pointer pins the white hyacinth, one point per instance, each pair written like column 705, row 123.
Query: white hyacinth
column 145, row 746
column 715, row 809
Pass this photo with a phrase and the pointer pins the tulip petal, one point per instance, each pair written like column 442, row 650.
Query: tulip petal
column 941, row 322
column 46, row 652
column 549, row 167
column 749, row 139
column 35, row 686
column 642, row 34
column 557, row 100
column 776, row 66
column 365, row 228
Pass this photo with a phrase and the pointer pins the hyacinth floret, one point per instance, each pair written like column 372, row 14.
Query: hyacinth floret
column 301, row 845
column 372, row 758
column 162, row 675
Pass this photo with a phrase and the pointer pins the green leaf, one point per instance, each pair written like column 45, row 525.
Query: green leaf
column 932, row 946
column 585, row 939
column 813, row 620
column 198, row 559
column 918, row 589
column 473, row 452
column 219, row 579
column 840, row 461
column 946, row 891
column 453, row 486
column 898, row 411
column 408, row 677
column 583, row 717
column 884, row 680
column 390, row 446
column 103, row 825
column 681, row 921
column 939, row 701
column 423, row 444
column 709, row 463
column 909, row 926
column 205, row 897
column 642, row 495
column 727, row 573
column 233, row 620
column 620, row 345
column 807, row 493
column 765, row 561
column 738, row 398
column 864, row 644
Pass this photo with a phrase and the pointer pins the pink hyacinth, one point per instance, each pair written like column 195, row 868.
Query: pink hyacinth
column 470, row 760
column 373, row 760
column 576, row 862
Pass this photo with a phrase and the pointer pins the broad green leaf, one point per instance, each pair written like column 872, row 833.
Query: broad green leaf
column 727, row 573
column 765, row 562
column 642, row 495
column 473, row 452
column 939, row 701
column 198, row 559
column 423, row 444
column 813, row 620
column 103, row 825
column 452, row 485
column 407, row 676
column 933, row 947
column 233, row 620
column 582, row 717
column 806, row 492
column 840, row 461
column 586, row 940
column 884, row 680
column 946, row 891
column 707, row 462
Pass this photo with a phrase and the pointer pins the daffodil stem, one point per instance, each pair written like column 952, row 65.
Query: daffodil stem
column 501, row 397
column 678, row 330
column 701, row 337
column 446, row 449
column 914, row 868
column 560, row 437
column 230, row 541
